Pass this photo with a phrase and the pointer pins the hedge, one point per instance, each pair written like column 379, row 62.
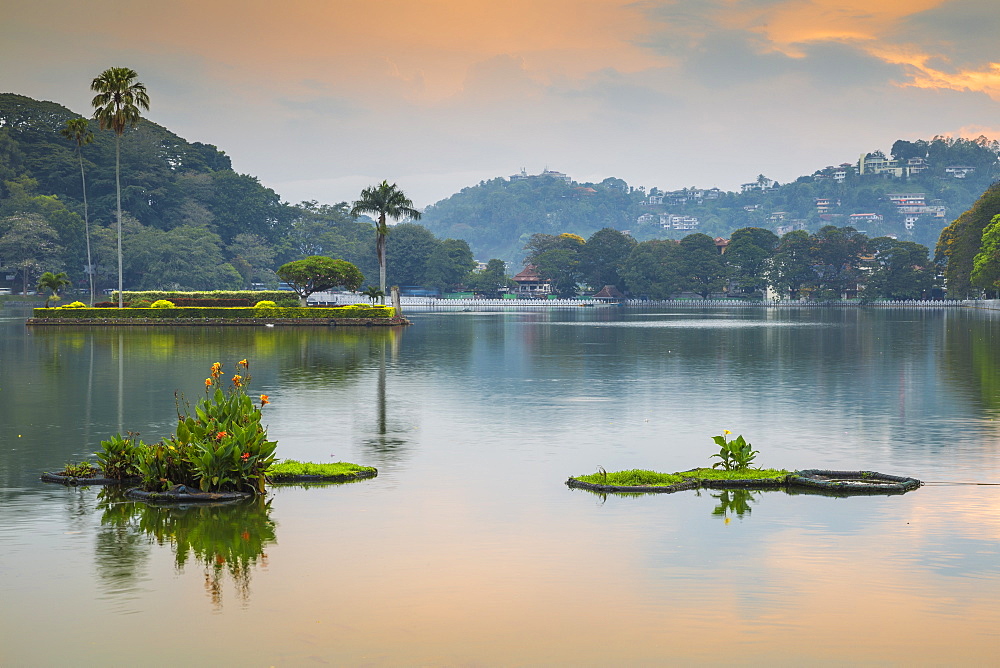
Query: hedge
column 281, row 297
column 198, row 312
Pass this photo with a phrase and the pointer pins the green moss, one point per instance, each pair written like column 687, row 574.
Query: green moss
column 632, row 477
column 636, row 477
column 291, row 467
column 745, row 474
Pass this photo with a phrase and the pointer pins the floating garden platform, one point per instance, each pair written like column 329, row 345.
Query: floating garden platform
column 180, row 316
column 842, row 483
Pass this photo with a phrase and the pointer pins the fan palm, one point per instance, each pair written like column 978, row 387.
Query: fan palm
column 386, row 201
column 53, row 283
column 78, row 131
column 116, row 107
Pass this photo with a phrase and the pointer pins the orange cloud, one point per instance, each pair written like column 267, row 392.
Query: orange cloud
column 427, row 47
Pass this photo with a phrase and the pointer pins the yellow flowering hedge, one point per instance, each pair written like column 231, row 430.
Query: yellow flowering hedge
column 200, row 312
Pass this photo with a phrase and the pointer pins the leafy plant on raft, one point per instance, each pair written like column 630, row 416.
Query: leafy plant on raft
column 118, row 456
column 735, row 454
column 220, row 446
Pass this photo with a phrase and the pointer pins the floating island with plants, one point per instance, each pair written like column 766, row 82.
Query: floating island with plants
column 734, row 470
column 219, row 452
column 259, row 308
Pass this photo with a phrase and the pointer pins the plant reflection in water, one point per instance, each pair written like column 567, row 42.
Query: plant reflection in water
column 222, row 538
column 734, row 502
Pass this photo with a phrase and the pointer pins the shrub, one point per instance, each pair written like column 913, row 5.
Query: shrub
column 162, row 303
column 266, row 303
column 140, row 303
column 74, row 305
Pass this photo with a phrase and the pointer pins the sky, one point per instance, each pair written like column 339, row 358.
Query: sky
column 320, row 99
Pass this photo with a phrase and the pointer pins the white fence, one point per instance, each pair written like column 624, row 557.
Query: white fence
column 325, row 299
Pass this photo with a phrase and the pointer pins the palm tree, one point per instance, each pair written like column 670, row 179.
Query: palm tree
column 53, row 283
column 116, row 107
column 387, row 201
column 78, row 131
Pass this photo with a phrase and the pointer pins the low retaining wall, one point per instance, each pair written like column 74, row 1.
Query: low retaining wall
column 201, row 322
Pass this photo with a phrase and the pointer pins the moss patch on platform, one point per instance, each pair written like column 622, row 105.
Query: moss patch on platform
column 291, row 470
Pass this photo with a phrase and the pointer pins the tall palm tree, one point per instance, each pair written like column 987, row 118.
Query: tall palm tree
column 387, row 201
column 53, row 283
column 116, row 107
column 78, row 131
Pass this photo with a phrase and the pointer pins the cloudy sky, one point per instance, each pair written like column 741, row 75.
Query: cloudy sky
column 319, row 98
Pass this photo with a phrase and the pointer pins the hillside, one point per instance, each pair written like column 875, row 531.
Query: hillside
column 911, row 194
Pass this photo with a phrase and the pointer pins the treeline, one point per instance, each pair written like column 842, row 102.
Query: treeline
column 831, row 263
column 190, row 222
column 969, row 249
column 498, row 216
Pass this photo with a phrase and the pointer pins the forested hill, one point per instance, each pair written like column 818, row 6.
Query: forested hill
column 941, row 177
column 190, row 220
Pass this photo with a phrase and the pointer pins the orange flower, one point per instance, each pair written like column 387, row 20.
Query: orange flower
column 264, row 401
column 208, row 383
column 245, row 456
column 221, row 435
column 238, row 380
column 243, row 363
column 216, row 370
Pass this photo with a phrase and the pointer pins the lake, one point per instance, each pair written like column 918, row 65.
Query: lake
column 468, row 548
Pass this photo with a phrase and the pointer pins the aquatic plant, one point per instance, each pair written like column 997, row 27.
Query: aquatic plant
column 219, row 445
column 735, row 454
column 118, row 456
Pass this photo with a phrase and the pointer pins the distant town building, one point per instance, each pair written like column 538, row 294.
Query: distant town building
column 530, row 285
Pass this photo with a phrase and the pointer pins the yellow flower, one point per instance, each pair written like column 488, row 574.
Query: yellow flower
column 264, row 401
column 216, row 370
column 238, row 380
column 243, row 363
column 726, row 432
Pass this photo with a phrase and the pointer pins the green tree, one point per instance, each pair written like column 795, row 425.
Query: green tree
column 900, row 269
column 961, row 242
column 702, row 267
column 449, row 264
column 837, row 253
column 603, row 257
column 409, row 247
column 986, row 264
column 53, row 283
column 316, row 273
column 562, row 267
column 78, row 131
column 792, row 269
column 492, row 281
column 253, row 257
column 653, row 269
column 749, row 256
column 116, row 107
column 385, row 201
column 28, row 243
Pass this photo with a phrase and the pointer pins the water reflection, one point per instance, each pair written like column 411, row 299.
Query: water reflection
column 734, row 502
column 222, row 539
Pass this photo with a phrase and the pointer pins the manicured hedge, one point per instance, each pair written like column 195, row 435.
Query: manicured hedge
column 281, row 297
column 292, row 312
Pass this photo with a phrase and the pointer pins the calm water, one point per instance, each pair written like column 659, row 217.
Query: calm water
column 468, row 549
